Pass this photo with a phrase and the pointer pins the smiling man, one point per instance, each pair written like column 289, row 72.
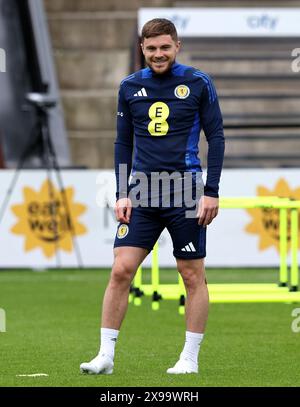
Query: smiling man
column 160, row 52
column 161, row 112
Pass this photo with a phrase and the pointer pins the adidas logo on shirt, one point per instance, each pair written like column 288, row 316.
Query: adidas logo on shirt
column 188, row 248
column 141, row 92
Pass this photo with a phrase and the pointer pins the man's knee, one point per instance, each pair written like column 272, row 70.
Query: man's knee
column 193, row 276
column 122, row 272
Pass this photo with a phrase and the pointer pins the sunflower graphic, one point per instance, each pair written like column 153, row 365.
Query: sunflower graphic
column 44, row 222
column 265, row 221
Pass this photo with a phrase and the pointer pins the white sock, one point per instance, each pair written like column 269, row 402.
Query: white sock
column 108, row 341
column 192, row 346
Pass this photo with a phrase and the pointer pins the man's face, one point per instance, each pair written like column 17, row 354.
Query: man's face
column 160, row 52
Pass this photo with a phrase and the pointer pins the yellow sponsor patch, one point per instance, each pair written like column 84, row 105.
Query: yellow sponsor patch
column 158, row 113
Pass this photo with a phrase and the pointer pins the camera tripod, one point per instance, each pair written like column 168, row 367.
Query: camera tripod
column 42, row 142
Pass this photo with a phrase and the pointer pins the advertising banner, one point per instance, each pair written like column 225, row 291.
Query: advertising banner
column 35, row 229
column 228, row 22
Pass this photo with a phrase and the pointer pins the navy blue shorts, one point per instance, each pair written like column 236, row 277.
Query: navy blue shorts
column 147, row 223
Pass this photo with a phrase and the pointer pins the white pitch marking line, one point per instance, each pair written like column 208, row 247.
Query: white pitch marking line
column 32, row 375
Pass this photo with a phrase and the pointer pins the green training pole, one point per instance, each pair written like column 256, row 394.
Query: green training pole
column 155, row 278
column 137, row 286
column 283, row 248
column 294, row 249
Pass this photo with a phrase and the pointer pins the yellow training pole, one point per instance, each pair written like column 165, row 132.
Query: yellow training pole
column 182, row 294
column 137, row 287
column 155, row 278
column 283, row 248
column 294, row 249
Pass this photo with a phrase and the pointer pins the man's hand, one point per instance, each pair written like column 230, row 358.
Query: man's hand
column 208, row 210
column 123, row 210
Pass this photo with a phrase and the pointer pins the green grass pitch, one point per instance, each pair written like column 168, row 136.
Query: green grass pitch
column 52, row 325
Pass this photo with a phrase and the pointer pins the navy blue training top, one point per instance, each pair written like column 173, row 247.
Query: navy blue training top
column 160, row 117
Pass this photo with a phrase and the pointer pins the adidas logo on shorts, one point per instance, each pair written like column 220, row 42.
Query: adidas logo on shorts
column 188, row 248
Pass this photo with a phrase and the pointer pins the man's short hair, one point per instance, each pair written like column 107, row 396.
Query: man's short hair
column 159, row 26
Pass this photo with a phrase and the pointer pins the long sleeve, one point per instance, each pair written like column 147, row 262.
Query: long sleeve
column 123, row 146
column 212, row 123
